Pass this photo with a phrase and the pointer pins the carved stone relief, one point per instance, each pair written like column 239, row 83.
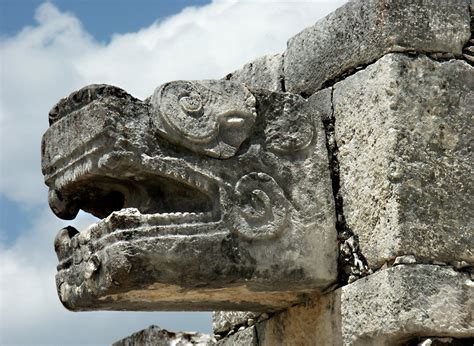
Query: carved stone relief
column 210, row 196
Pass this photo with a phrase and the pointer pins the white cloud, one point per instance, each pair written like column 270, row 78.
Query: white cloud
column 45, row 62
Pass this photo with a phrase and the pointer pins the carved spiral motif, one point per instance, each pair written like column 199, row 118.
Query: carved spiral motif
column 190, row 119
column 263, row 207
column 211, row 117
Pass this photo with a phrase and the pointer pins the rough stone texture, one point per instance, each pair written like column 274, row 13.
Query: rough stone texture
column 404, row 131
column 155, row 336
column 211, row 197
column 247, row 337
column 265, row 72
column 316, row 323
column 468, row 51
column 360, row 32
column 223, row 321
column 392, row 306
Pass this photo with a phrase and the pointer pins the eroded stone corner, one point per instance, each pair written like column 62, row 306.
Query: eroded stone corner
column 265, row 72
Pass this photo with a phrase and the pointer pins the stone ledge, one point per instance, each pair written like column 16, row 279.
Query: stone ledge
column 360, row 32
column 397, row 304
column 391, row 307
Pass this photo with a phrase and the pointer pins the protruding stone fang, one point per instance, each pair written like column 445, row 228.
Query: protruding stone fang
column 62, row 208
column 62, row 242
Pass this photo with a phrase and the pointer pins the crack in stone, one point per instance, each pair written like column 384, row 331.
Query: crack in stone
column 352, row 263
column 282, row 83
column 409, row 259
column 282, row 76
column 436, row 56
column 468, row 49
column 257, row 339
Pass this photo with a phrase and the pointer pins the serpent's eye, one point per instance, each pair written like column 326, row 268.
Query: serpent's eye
column 209, row 117
column 191, row 104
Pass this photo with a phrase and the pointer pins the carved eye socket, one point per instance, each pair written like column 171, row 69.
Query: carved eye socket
column 181, row 112
column 192, row 104
column 211, row 117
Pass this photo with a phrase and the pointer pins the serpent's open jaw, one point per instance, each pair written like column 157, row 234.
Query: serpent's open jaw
column 166, row 196
column 92, row 162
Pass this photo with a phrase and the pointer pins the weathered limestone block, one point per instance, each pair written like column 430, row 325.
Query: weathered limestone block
column 318, row 322
column 155, row 336
column 404, row 132
column 210, row 197
column 362, row 31
column 390, row 308
column 265, row 72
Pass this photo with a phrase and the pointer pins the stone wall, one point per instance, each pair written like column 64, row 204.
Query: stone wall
column 399, row 138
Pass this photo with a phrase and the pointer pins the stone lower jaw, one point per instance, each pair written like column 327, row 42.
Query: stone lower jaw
column 142, row 269
column 130, row 221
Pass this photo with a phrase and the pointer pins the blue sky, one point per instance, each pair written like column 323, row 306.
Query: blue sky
column 101, row 18
column 49, row 49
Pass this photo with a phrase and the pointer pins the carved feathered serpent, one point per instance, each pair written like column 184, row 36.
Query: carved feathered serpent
column 199, row 167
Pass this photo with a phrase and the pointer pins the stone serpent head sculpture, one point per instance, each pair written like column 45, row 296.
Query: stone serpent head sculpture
column 210, row 196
